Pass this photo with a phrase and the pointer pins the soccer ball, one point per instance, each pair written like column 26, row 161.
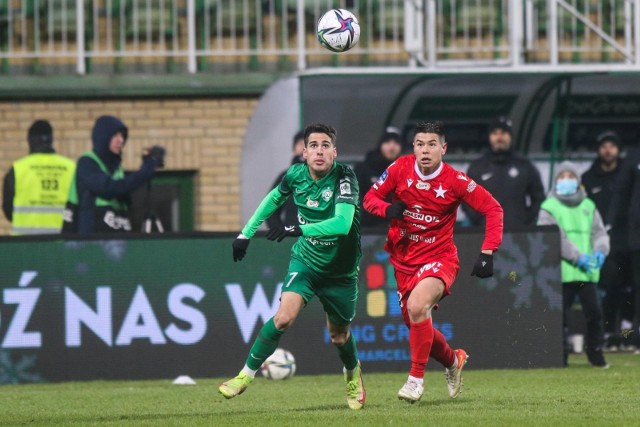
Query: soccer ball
column 338, row 30
column 279, row 366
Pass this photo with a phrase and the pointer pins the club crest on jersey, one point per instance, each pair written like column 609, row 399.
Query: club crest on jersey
column 312, row 203
column 421, row 185
column 383, row 177
column 472, row 186
column 327, row 194
column 440, row 191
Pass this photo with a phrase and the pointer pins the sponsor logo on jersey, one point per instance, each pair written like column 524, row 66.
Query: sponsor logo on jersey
column 513, row 172
column 417, row 238
column 416, row 207
column 345, row 188
column 421, row 185
column 317, row 242
column 433, row 266
column 327, row 194
column 383, row 177
column 312, row 203
column 440, row 191
column 421, row 217
column 486, row 176
column 409, row 182
column 472, row 186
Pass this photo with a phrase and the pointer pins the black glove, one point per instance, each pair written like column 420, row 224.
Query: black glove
column 483, row 267
column 240, row 246
column 279, row 233
column 157, row 153
column 395, row 210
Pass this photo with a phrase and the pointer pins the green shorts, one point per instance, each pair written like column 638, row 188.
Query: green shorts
column 338, row 296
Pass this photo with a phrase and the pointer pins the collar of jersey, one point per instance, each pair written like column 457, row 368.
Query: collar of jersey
column 430, row 176
column 319, row 182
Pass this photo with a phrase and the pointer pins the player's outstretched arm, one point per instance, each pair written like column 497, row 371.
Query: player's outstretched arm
column 483, row 202
column 268, row 206
column 338, row 225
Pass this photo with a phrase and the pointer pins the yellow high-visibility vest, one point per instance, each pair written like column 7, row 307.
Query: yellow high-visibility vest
column 41, row 188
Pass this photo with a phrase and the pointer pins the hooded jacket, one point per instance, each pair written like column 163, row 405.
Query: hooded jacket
column 599, row 237
column 92, row 182
column 511, row 179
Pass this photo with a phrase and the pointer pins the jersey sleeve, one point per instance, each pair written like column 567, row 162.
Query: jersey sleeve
column 478, row 198
column 348, row 190
column 284, row 186
column 338, row 225
column 375, row 200
column 268, row 206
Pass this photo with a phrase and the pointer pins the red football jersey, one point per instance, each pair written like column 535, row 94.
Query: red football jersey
column 426, row 232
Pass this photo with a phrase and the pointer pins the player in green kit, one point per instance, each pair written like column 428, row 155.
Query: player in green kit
column 324, row 259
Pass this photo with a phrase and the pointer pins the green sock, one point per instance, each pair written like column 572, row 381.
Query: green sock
column 349, row 353
column 264, row 345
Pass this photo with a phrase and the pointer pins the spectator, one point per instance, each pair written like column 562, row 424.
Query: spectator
column 584, row 244
column 288, row 212
column 615, row 280
column 99, row 194
column 512, row 179
column 624, row 214
column 375, row 163
column 35, row 188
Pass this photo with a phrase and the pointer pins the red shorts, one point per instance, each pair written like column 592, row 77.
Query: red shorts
column 445, row 269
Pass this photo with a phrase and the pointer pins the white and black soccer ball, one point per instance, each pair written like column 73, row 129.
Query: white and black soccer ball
column 338, row 30
column 279, row 366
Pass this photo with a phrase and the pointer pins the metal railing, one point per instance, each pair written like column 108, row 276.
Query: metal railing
column 521, row 34
column 92, row 36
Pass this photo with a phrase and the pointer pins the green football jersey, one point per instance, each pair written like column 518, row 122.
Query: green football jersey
column 332, row 257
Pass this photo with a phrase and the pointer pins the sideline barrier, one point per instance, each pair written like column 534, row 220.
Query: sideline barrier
column 161, row 306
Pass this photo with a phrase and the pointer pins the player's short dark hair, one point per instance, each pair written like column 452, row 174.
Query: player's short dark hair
column 436, row 127
column 320, row 128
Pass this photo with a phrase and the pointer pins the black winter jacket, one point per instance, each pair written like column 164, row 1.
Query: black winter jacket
column 92, row 182
column 367, row 173
column 511, row 179
column 624, row 212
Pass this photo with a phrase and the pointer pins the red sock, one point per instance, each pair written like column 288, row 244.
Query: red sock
column 441, row 350
column 420, row 341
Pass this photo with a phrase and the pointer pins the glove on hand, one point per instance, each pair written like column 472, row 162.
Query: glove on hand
column 279, row 233
column 483, row 267
column 395, row 210
column 157, row 153
column 599, row 257
column 240, row 246
column 585, row 262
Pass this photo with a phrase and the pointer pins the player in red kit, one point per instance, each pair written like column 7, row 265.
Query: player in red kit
column 426, row 193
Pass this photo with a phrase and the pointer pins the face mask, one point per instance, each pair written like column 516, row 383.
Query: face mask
column 566, row 187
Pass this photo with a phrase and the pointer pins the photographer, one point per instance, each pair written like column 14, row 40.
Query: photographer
column 99, row 196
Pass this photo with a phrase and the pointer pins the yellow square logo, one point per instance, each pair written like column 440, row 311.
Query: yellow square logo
column 376, row 303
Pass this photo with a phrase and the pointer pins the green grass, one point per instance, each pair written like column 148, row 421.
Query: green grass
column 578, row 395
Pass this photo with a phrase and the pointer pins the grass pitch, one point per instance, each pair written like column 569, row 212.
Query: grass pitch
column 578, row 395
